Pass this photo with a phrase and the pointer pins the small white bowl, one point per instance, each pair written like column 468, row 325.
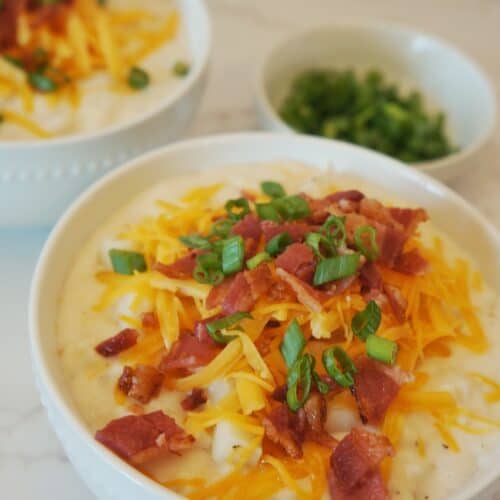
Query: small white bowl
column 39, row 179
column 109, row 477
column 448, row 79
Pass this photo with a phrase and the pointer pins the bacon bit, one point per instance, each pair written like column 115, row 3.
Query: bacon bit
column 239, row 296
column 140, row 438
column 200, row 330
column 340, row 286
column 316, row 413
column 396, row 301
column 411, row 263
column 218, row 293
column 248, row 227
column 8, row 21
column 409, row 218
column 350, row 195
column 370, row 278
column 298, row 259
column 150, row 320
column 279, row 394
column 122, row 341
column 341, row 201
column 374, row 389
column 374, row 210
column 305, row 293
column 391, row 242
column 259, row 280
column 141, row 383
column 280, row 428
column 180, row 269
column 297, row 230
column 195, row 399
column 280, row 291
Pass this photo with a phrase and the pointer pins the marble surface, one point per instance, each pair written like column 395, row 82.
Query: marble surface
column 32, row 464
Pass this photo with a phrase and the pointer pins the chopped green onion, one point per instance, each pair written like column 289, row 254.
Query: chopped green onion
column 372, row 251
column 40, row 58
column 292, row 207
column 278, row 243
column 333, row 355
column 299, row 377
column 258, row 259
column 335, row 268
column 272, row 189
column 14, row 61
column 127, row 262
column 228, row 321
column 267, row 211
column 208, row 269
column 380, row 349
column 317, row 242
column 237, row 209
column 41, row 82
column 138, row 79
column 181, row 68
column 366, row 322
column 233, row 255
column 195, row 241
column 220, row 338
column 293, row 343
column 338, row 234
column 322, row 386
column 222, row 228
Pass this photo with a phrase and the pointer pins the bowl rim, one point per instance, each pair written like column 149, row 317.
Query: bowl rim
column 52, row 399
column 262, row 96
column 199, row 68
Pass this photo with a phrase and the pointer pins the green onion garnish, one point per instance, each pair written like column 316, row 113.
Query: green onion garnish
column 127, row 262
column 258, row 259
column 334, row 228
column 371, row 252
column 208, row 269
column 222, row 228
column 180, row 68
column 292, row 207
column 15, row 61
column 380, row 349
column 272, row 189
column 195, row 241
column 267, row 211
column 237, row 209
column 278, row 243
column 138, row 79
column 233, row 255
column 366, row 322
column 299, row 379
column 319, row 243
column 323, row 387
column 330, row 358
column 335, row 268
column 41, row 82
column 214, row 327
column 293, row 343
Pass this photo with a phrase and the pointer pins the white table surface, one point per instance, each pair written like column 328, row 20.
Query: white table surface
column 32, row 464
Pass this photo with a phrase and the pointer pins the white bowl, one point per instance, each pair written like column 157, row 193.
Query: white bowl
column 39, row 179
column 449, row 80
column 109, row 477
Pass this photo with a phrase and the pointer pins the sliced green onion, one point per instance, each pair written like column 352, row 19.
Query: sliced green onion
column 222, row 228
column 208, row 269
column 233, row 255
column 273, row 189
column 181, row 68
column 267, row 211
column 293, row 343
column 371, row 252
column 317, row 242
column 14, row 61
column 237, row 209
column 334, row 228
column 220, row 338
column 333, row 355
column 228, row 321
column 127, row 262
column 292, row 207
column 366, row 322
column 299, row 378
column 322, row 386
column 380, row 349
column 258, row 259
column 278, row 243
column 335, row 268
column 195, row 241
column 41, row 82
column 138, row 79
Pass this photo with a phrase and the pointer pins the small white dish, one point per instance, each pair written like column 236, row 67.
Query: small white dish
column 39, row 179
column 109, row 477
column 448, row 79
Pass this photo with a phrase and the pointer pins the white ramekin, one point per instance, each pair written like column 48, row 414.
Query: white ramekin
column 39, row 179
column 109, row 477
column 449, row 79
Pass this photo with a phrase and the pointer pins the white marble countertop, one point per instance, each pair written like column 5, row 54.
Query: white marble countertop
column 32, row 464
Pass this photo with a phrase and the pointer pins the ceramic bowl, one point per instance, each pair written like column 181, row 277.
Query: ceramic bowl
column 448, row 79
column 39, row 179
column 109, row 477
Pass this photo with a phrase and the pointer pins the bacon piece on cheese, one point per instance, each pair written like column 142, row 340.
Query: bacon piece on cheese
column 122, row 341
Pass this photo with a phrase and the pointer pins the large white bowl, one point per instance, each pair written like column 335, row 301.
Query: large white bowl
column 39, row 179
column 449, row 80
column 109, row 477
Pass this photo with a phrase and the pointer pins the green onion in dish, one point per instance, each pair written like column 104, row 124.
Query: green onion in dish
column 334, row 228
column 273, row 189
column 278, row 243
column 267, row 211
column 233, row 255
column 126, row 261
column 380, row 349
column 222, row 227
column 208, row 269
column 361, row 235
column 292, row 207
column 214, row 327
column 237, row 209
column 138, row 79
column 344, row 377
column 299, row 381
column 320, row 244
column 367, row 321
column 195, row 241
column 258, row 259
column 293, row 343
column 336, row 268
column 41, row 82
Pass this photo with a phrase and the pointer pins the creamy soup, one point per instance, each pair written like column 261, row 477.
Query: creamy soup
column 101, row 102
column 445, row 438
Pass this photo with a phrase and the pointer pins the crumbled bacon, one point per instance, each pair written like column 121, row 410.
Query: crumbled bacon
column 248, row 227
column 298, row 259
column 218, row 293
column 339, row 286
column 370, row 278
column 411, row 263
column 374, row 389
column 150, row 320
column 305, row 293
column 316, row 413
column 390, row 242
column 195, row 399
column 141, row 383
column 8, row 21
column 180, row 269
column 280, row 429
column 140, row 438
column 374, row 210
column 396, row 301
column 259, row 280
column 297, row 230
column 280, row 291
column 409, row 218
column 122, row 341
